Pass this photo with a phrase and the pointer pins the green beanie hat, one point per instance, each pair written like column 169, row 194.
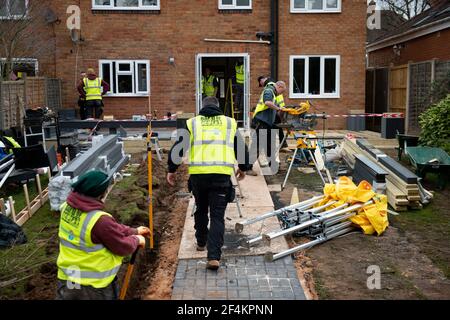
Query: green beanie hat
column 92, row 184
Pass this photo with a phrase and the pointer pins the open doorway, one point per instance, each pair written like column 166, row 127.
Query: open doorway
column 232, row 89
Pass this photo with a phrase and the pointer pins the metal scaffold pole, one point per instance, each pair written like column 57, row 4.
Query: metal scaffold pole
column 149, row 173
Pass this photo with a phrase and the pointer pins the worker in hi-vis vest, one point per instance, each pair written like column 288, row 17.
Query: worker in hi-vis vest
column 265, row 115
column 92, row 89
column 240, row 79
column 92, row 244
column 213, row 146
column 210, row 84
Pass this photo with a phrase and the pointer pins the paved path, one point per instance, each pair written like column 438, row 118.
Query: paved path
column 244, row 274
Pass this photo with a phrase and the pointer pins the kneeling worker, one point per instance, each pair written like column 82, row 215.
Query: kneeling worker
column 92, row 244
column 213, row 152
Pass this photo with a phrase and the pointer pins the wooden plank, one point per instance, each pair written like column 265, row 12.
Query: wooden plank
column 13, row 209
column 27, row 199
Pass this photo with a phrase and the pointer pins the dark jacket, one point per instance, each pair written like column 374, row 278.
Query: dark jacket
column 212, row 111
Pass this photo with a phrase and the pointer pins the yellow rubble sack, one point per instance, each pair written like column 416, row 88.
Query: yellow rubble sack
column 373, row 218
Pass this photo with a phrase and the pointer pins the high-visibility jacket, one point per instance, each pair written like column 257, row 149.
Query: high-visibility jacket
column 279, row 101
column 80, row 260
column 208, row 85
column 13, row 143
column 261, row 106
column 212, row 145
column 93, row 89
column 240, row 76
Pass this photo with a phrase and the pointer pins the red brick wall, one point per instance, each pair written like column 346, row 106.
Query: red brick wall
column 341, row 34
column 432, row 46
column 178, row 31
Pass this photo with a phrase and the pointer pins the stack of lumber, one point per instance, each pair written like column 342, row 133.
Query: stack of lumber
column 403, row 188
column 366, row 169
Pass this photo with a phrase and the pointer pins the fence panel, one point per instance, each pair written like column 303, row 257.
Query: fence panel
column 12, row 104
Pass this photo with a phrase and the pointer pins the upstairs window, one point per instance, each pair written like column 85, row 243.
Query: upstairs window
column 125, row 4
column 315, row 6
column 13, row 9
column 127, row 78
column 314, row 77
column 235, row 4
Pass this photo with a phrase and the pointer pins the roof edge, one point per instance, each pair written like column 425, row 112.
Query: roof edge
column 410, row 34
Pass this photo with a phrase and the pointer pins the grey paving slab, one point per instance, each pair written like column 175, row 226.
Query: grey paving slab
column 244, row 278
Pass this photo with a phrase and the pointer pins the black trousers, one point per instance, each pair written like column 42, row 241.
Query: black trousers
column 82, row 105
column 239, row 104
column 93, row 109
column 263, row 128
column 110, row 292
column 212, row 194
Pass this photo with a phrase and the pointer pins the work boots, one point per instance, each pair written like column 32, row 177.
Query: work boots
column 213, row 264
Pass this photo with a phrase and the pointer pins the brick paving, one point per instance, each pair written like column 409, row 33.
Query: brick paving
column 238, row 278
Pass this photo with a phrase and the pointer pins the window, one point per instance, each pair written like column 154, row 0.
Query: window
column 315, row 6
column 13, row 9
column 126, row 77
column 314, row 77
column 125, row 4
column 235, row 4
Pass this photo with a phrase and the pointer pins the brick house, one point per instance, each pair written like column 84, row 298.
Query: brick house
column 159, row 47
column 405, row 61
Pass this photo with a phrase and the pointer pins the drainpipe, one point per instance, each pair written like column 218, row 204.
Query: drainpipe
column 274, row 41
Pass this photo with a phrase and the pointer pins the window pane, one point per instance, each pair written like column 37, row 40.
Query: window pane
column 299, row 76
column 242, row 3
column 125, row 83
column 314, row 75
column 124, row 67
column 142, row 77
column 150, row 2
column 18, row 7
column 227, row 2
column 330, row 75
column 102, row 2
column 106, row 71
column 127, row 3
column 315, row 4
column 29, row 68
column 299, row 4
column 332, row 4
column 3, row 8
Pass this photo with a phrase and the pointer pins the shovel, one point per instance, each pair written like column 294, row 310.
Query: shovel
column 126, row 281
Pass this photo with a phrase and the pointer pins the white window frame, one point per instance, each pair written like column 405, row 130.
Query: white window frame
column 234, row 6
column 15, row 17
column 324, row 10
column 133, row 72
column 322, row 94
column 140, row 6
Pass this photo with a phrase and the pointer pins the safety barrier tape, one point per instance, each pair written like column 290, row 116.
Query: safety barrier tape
column 369, row 115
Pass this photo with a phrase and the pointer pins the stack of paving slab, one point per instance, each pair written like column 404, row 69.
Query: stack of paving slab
column 403, row 187
column 106, row 155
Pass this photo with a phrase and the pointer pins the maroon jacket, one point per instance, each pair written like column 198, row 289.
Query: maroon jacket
column 117, row 238
column 80, row 87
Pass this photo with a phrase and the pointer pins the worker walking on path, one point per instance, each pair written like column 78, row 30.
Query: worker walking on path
column 92, row 89
column 213, row 143
column 210, row 84
column 265, row 115
column 92, row 244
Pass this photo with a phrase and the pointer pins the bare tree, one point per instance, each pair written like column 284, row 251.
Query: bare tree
column 23, row 32
column 405, row 8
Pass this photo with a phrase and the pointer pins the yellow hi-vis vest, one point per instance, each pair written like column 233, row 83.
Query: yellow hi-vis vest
column 93, row 89
column 14, row 143
column 212, row 145
column 80, row 260
column 240, row 77
column 261, row 106
column 279, row 101
column 208, row 85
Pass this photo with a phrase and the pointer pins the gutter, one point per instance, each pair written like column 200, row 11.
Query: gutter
column 398, row 37
column 237, row 41
column 274, row 32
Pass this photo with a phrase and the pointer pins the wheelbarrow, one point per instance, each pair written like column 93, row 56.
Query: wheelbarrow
column 405, row 141
column 428, row 159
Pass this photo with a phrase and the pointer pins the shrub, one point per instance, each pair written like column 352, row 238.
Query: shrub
column 435, row 125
